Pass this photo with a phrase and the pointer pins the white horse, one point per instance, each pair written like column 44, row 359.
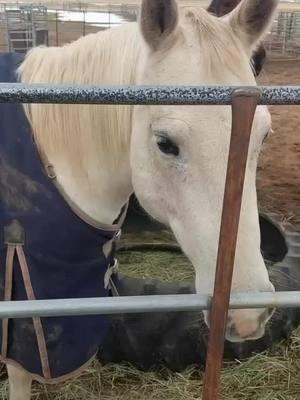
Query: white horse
column 173, row 158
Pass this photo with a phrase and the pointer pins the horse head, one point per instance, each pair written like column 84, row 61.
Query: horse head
column 179, row 153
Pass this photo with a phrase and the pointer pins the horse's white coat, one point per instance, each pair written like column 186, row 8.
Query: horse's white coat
column 101, row 153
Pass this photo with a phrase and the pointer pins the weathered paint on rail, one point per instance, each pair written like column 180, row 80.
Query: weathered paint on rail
column 142, row 95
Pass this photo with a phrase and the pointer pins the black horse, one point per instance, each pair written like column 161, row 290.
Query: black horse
column 223, row 7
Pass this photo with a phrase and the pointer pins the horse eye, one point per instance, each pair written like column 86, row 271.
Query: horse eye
column 166, row 146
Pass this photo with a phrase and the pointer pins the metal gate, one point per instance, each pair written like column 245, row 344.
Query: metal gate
column 284, row 38
column 243, row 101
column 26, row 27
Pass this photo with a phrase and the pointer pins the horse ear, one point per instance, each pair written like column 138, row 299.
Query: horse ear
column 251, row 19
column 158, row 20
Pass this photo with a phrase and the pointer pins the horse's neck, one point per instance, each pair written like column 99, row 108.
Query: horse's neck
column 88, row 146
column 99, row 193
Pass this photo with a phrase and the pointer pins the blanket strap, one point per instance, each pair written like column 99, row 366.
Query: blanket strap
column 37, row 323
column 7, row 293
column 109, row 250
column 14, row 238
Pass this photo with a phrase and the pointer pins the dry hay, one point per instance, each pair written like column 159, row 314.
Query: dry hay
column 274, row 375
column 167, row 267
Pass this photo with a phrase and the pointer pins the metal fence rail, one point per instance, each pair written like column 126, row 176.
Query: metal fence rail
column 141, row 304
column 141, row 95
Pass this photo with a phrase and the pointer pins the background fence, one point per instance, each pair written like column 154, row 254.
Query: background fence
column 27, row 25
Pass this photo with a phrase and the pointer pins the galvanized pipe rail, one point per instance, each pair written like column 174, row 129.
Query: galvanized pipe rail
column 142, row 95
column 141, row 304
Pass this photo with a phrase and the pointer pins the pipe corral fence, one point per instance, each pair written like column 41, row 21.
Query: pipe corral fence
column 243, row 101
column 23, row 26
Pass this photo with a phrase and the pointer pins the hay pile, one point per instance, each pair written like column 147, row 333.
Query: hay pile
column 270, row 376
column 165, row 266
column 145, row 256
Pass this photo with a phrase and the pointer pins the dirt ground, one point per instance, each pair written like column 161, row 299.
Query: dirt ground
column 279, row 168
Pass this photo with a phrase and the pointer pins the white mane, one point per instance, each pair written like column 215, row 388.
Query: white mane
column 80, row 131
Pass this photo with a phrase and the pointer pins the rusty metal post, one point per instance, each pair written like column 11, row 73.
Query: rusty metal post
column 244, row 103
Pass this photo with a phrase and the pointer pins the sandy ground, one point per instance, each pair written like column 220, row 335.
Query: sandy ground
column 279, row 167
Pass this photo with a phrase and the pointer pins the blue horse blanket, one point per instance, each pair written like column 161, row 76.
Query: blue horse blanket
column 46, row 252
